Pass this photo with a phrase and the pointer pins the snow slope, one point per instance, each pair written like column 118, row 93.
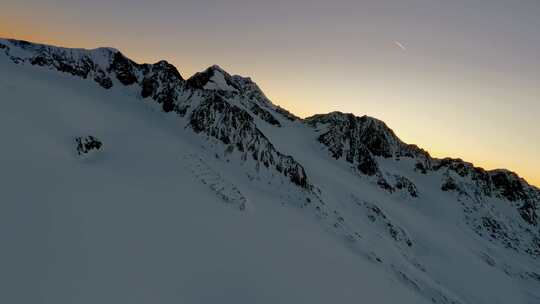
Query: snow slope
column 203, row 191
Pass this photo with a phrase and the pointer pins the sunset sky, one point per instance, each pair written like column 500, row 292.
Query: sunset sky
column 459, row 78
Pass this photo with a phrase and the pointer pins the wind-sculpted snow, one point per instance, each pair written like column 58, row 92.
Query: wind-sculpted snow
column 228, row 192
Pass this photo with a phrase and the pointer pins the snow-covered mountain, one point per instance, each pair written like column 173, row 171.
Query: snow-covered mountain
column 125, row 182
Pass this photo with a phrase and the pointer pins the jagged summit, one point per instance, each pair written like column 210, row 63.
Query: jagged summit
column 345, row 131
column 213, row 78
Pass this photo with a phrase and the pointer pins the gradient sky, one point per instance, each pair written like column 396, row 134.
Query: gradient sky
column 459, row 78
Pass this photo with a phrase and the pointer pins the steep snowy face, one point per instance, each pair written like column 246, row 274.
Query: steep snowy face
column 368, row 143
column 217, row 104
column 465, row 179
column 361, row 140
column 498, row 205
column 235, row 128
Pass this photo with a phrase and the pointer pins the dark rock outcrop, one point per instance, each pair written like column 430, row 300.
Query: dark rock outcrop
column 501, row 184
column 241, row 89
column 87, row 144
column 162, row 82
column 378, row 217
column 360, row 139
column 234, row 126
column 124, row 68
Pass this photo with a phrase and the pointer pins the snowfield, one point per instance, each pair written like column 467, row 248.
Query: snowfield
column 238, row 204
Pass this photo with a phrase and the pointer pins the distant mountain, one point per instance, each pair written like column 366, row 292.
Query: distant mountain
column 115, row 151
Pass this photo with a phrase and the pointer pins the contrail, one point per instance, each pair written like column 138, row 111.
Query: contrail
column 399, row 45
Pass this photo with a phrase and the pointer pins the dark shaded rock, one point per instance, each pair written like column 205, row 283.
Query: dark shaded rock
column 40, row 60
column 103, row 80
column 403, row 183
column 86, row 144
column 419, row 167
column 358, row 139
column 528, row 213
column 149, row 86
column 234, row 126
column 383, row 184
column 377, row 216
column 492, row 225
column 509, row 185
column 201, row 79
column 124, row 69
column 264, row 115
column 162, row 82
column 242, row 88
column 365, row 161
column 449, row 185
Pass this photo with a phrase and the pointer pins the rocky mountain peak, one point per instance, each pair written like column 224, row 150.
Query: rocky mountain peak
column 349, row 132
column 213, row 78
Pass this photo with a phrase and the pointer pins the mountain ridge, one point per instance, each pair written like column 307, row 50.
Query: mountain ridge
column 361, row 138
column 195, row 78
column 135, row 139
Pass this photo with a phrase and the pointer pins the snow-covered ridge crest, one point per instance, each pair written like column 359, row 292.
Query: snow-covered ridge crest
column 374, row 150
column 217, row 104
column 101, row 55
column 247, row 92
column 161, row 80
column 103, row 65
column 359, row 140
